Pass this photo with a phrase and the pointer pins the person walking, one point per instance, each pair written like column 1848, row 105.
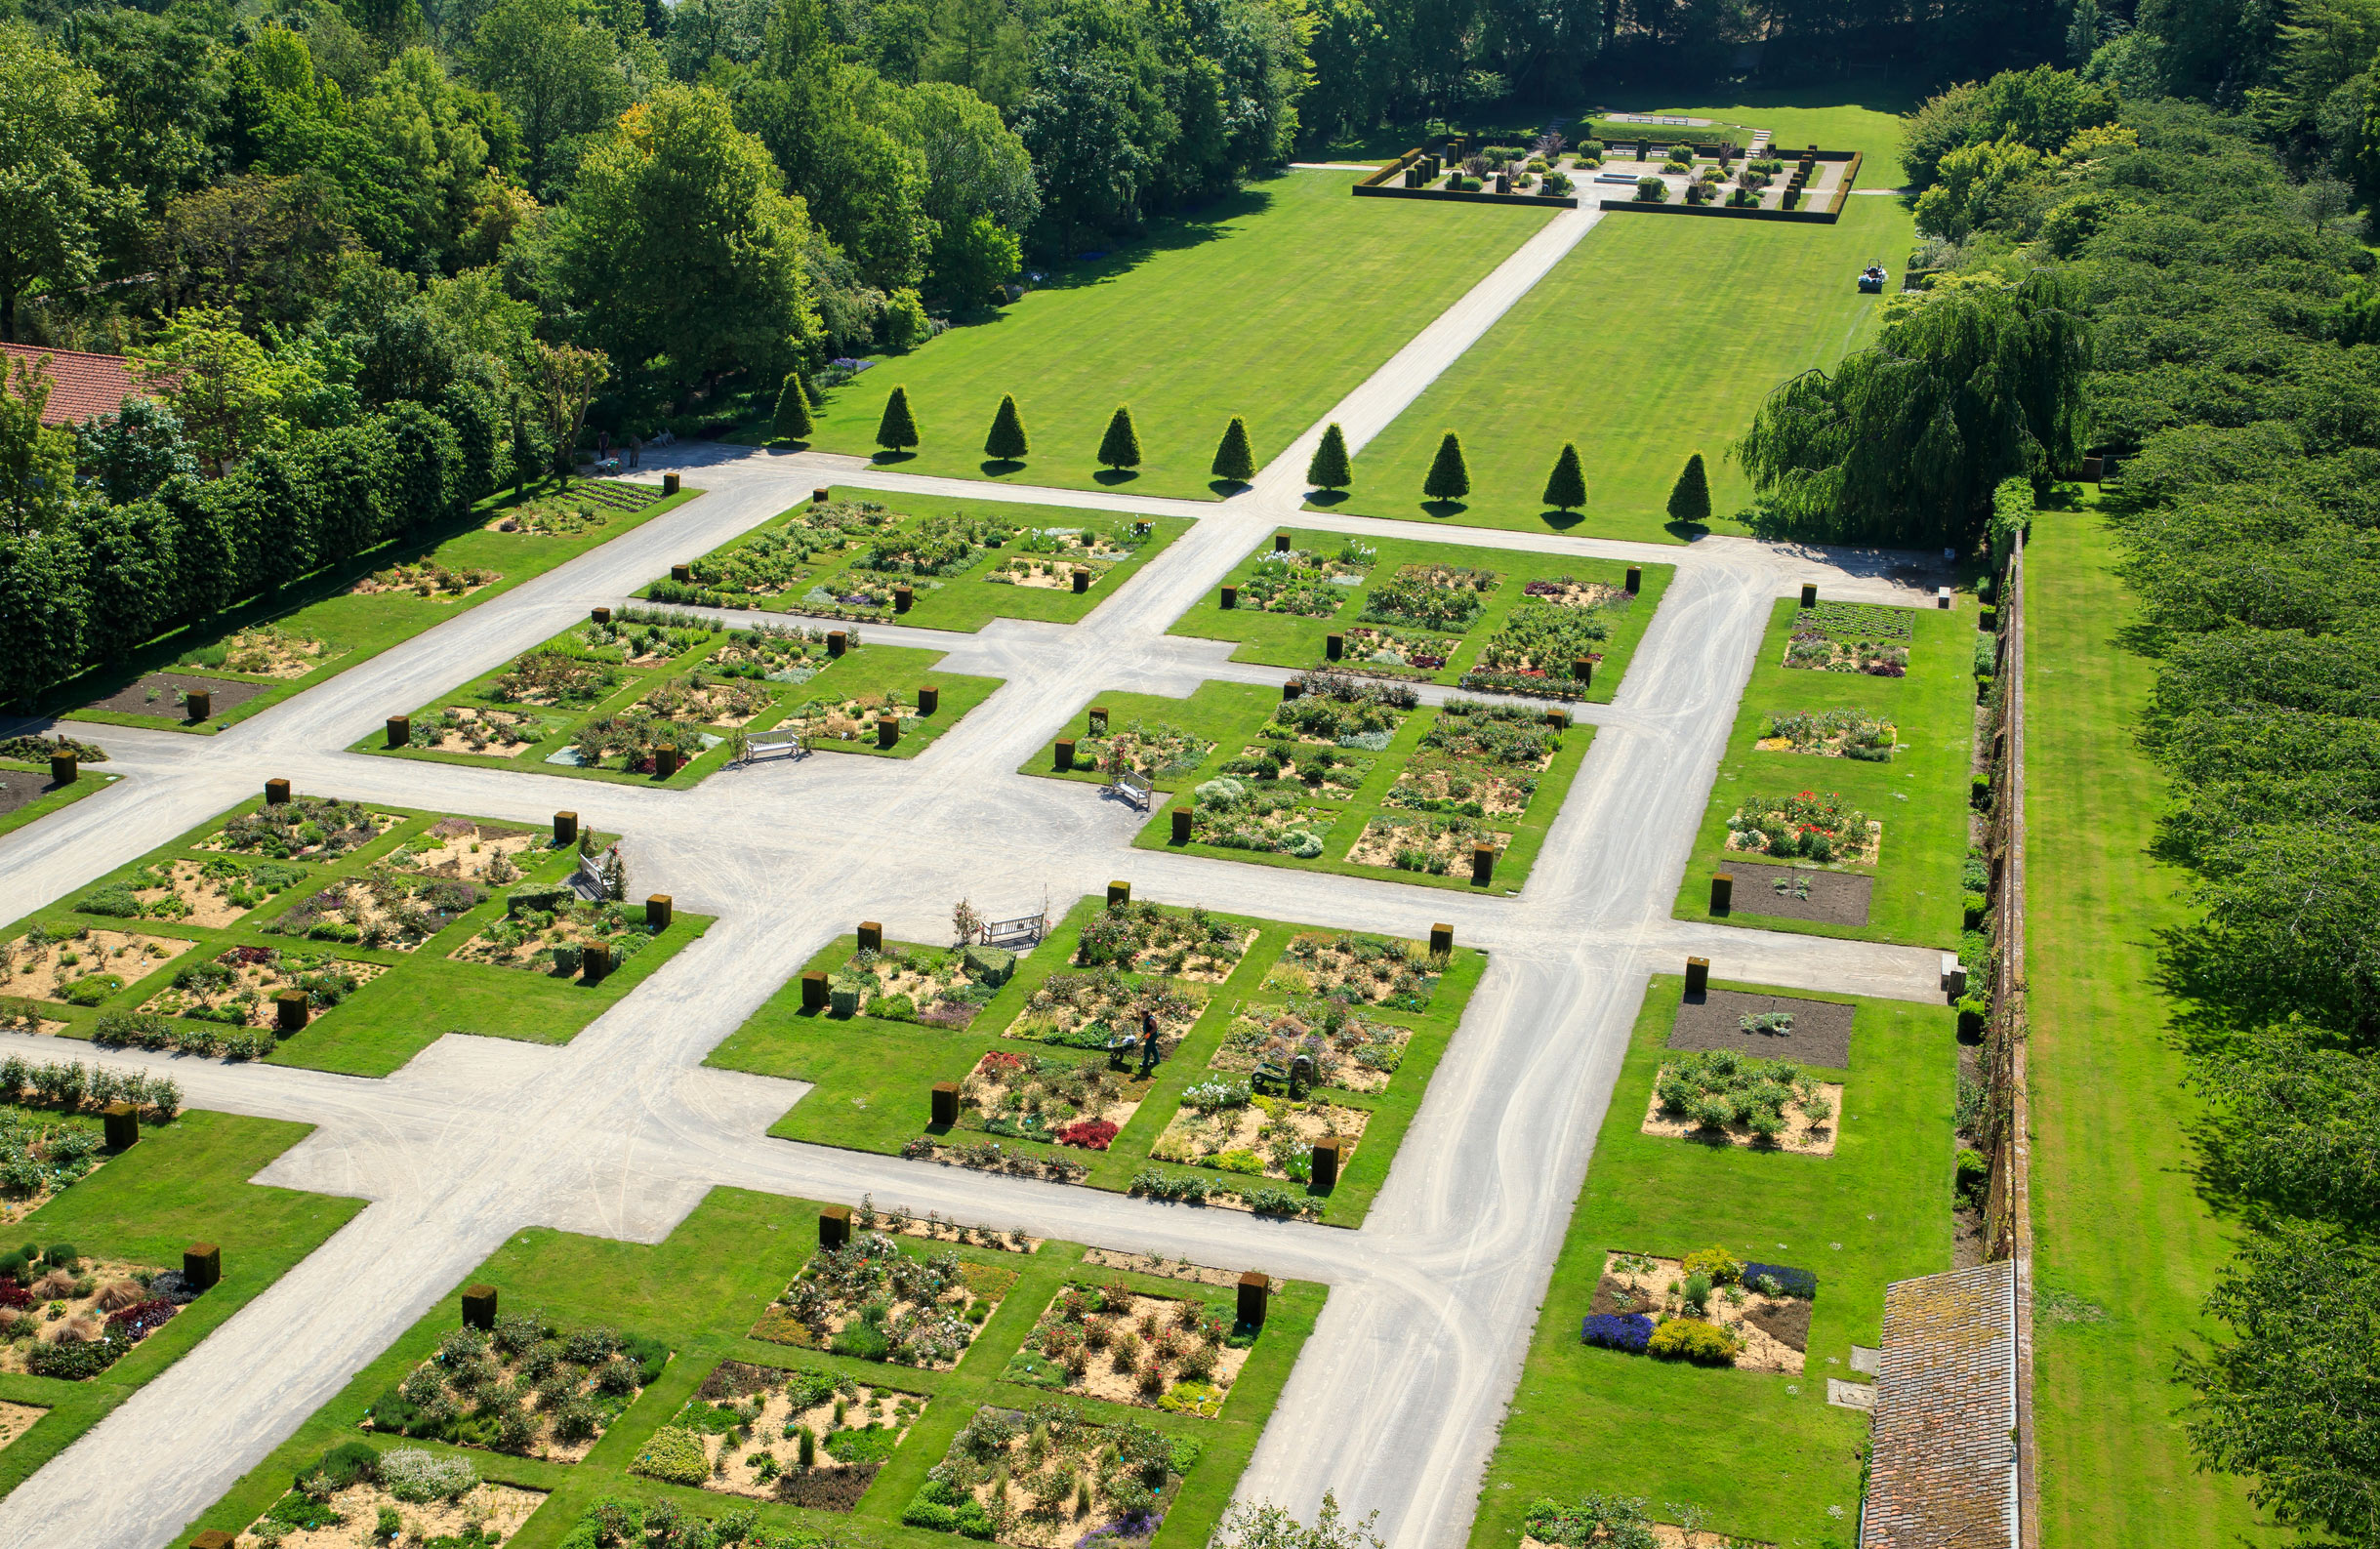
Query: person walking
column 1148, row 1043
column 635, row 450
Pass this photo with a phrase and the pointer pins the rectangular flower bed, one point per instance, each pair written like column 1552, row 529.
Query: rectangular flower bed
column 1087, row 1010
column 83, row 966
column 941, row 546
column 1535, row 651
column 467, row 851
column 385, row 908
column 1431, row 596
column 872, row 1300
column 1852, row 637
column 1356, row 970
column 267, row 651
column 1722, row 1096
column 70, row 1318
column 548, row 930
column 1115, row 1343
column 852, row 718
column 1048, row 1479
column 1055, row 1099
column 632, row 739
column 1317, row 768
column 779, row 559
column 565, row 513
column 1376, row 648
column 529, row 1388
column 1304, row 583
column 1440, row 847
column 1152, row 749
column 641, row 637
column 211, row 893
column 1708, row 1309
column 427, row 580
column 940, row 987
column 804, row 1436
column 773, row 654
column 1338, row 711
column 1349, row 1051
column 1234, row 814
column 1810, row 826
column 1223, row 1125
column 1477, row 761
column 1831, row 733
column 237, row 986
column 1178, row 942
column 481, row 731
column 304, row 829
column 555, row 680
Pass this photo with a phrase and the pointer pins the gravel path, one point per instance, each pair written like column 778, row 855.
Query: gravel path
column 621, row 1131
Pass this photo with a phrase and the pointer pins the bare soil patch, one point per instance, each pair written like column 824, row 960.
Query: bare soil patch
column 237, row 987
column 47, row 967
column 1821, row 1034
column 1440, row 847
column 486, row 733
column 458, row 847
column 161, row 694
column 21, row 788
column 18, row 1418
column 1800, row 892
column 497, row 1509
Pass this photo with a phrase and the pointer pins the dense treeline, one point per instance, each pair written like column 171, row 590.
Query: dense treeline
column 2236, row 377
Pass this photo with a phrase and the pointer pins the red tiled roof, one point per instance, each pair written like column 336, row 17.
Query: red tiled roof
column 1942, row 1474
column 85, row 385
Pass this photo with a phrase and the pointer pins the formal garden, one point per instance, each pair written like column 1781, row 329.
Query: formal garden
column 1842, row 801
column 29, row 784
column 311, row 628
column 790, row 1382
column 659, row 695
column 1721, row 1270
column 1488, row 619
column 342, row 936
column 1272, row 1039
column 929, row 562
column 1351, row 775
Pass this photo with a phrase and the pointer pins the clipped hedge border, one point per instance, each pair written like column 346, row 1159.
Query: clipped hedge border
column 1563, row 202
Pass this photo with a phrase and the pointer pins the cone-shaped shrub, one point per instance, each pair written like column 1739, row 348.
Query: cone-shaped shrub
column 1234, row 459
column 898, row 428
column 1007, row 440
column 793, row 423
column 1566, row 485
column 1329, row 469
column 1450, row 477
column 1120, row 446
column 1690, row 496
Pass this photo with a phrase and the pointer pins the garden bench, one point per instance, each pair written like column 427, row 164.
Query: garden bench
column 759, row 747
column 1134, row 788
column 588, row 879
column 1028, row 928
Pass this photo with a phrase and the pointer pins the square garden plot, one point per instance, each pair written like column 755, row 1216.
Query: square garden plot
column 1719, row 1097
column 1852, row 637
column 1113, row 1342
column 1766, row 1026
column 373, row 915
column 926, row 562
column 312, row 629
column 1048, row 1476
column 653, row 690
column 530, row 1387
column 1035, row 1091
column 1493, row 621
column 805, row 1437
column 1717, row 1311
column 879, row 1298
column 1815, row 759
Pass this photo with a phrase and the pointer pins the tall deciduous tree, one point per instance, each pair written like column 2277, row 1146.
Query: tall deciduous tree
column 54, row 213
column 36, row 460
column 898, row 430
column 556, row 68
column 1234, row 459
column 222, row 385
column 1120, row 447
column 1008, row 441
column 1904, row 443
column 1566, row 485
column 561, row 380
column 1450, row 475
column 1329, row 469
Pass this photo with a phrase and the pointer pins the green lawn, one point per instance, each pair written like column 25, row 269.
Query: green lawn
column 2126, row 1246
column 688, row 662
column 423, row 995
column 1656, row 336
column 87, row 782
column 964, row 598
column 1273, row 304
column 1291, row 639
column 1814, row 117
column 1763, row 1453
column 355, row 628
column 872, row 1077
column 1920, row 796
column 701, row 1289
column 186, row 1182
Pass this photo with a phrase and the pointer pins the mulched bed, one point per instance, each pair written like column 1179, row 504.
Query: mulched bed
column 1821, row 1036
column 21, row 788
column 1787, row 1323
column 1838, row 898
column 133, row 698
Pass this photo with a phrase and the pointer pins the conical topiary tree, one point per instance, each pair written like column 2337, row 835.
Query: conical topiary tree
column 1120, row 448
column 898, row 428
column 1007, row 440
column 793, row 423
column 1234, row 459
column 1690, row 496
column 1566, row 485
column 1329, row 469
column 1450, row 477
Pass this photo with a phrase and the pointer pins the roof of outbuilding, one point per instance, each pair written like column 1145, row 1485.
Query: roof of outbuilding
column 85, row 385
column 1942, row 1469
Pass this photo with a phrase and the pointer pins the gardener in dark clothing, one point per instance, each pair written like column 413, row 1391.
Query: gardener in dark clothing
column 1148, row 1043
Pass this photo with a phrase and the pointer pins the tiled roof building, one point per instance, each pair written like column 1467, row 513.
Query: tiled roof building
column 86, row 386
column 1943, row 1472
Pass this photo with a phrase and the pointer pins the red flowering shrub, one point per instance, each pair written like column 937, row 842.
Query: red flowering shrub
column 141, row 1319
column 1002, row 1060
column 12, row 1295
column 1091, row 1134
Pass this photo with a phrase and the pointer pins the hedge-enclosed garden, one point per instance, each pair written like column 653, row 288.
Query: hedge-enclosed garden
column 747, row 1379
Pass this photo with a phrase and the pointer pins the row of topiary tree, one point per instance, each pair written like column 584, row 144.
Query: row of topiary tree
column 1449, row 478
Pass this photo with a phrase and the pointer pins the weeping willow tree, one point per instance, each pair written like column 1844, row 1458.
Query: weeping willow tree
column 1902, row 444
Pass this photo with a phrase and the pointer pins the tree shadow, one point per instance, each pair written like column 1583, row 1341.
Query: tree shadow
column 1112, row 476
column 783, row 447
column 1208, row 222
column 1000, row 466
column 1685, row 531
column 1226, row 488
column 1445, row 507
column 1561, row 521
column 887, row 459
column 1326, row 498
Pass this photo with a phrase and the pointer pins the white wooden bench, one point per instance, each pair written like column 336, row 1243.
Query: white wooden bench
column 1134, row 788
column 792, row 746
column 1028, row 928
column 588, row 879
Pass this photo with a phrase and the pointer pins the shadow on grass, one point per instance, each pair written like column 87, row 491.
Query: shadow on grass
column 890, row 459
column 1445, row 507
column 1226, row 488
column 1327, row 497
column 785, row 448
column 1561, row 521
column 1684, row 531
column 1000, row 466
column 1112, row 476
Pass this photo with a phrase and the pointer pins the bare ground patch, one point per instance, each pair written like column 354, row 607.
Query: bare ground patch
column 1820, row 1033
